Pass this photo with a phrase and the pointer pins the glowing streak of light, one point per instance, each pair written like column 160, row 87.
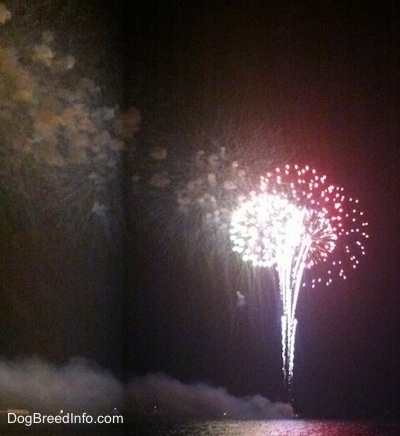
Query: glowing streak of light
column 293, row 223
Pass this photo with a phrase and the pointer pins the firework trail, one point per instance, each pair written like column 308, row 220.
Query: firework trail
column 295, row 221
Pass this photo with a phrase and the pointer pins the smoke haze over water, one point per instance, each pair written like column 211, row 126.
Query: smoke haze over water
column 174, row 399
column 39, row 386
column 79, row 386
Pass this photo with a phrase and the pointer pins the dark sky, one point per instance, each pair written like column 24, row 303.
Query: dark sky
column 324, row 75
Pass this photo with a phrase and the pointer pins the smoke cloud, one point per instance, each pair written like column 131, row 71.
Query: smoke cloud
column 80, row 386
column 39, row 386
column 166, row 397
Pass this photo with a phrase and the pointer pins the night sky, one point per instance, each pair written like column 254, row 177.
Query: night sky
column 324, row 78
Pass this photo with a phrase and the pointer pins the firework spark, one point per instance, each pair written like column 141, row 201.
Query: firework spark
column 294, row 222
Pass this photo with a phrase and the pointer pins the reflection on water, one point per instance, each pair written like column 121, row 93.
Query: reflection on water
column 218, row 428
column 270, row 428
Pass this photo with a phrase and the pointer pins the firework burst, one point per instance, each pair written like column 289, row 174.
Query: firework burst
column 294, row 222
column 61, row 148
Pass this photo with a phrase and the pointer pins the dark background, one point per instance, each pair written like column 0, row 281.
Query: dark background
column 324, row 75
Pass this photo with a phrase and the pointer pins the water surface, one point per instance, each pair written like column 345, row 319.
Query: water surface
column 219, row 428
